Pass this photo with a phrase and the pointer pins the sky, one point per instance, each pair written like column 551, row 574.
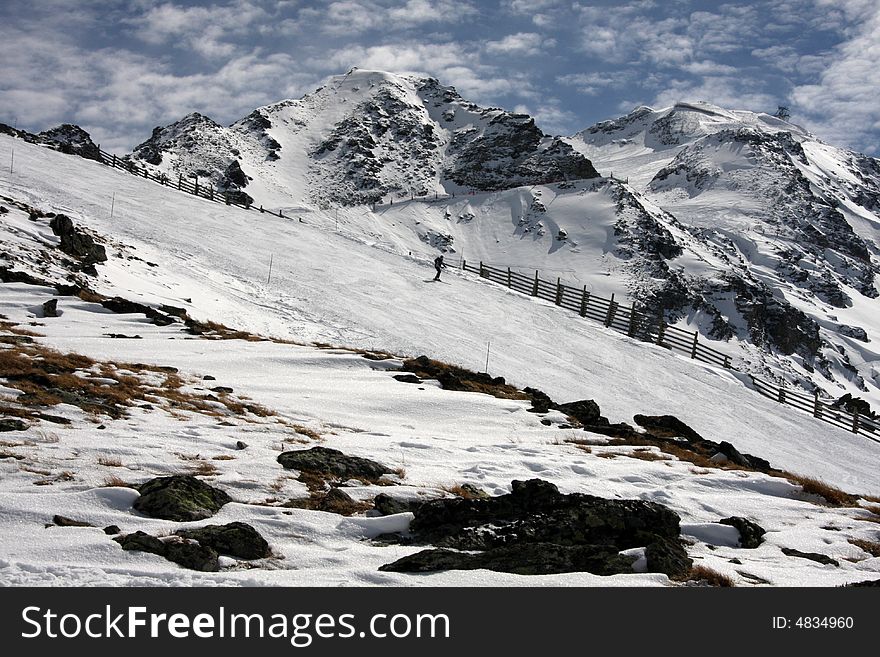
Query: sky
column 120, row 68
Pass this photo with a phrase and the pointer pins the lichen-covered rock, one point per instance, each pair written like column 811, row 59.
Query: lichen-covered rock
column 237, row 539
column 324, row 460
column 179, row 497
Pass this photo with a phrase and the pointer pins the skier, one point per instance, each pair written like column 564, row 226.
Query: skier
column 438, row 265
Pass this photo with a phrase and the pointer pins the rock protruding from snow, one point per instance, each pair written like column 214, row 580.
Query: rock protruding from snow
column 180, row 497
column 332, row 462
column 574, row 532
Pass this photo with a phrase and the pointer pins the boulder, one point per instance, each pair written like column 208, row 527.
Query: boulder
column 324, row 460
column 389, row 506
column 585, row 411
column 141, row 542
column 667, row 425
column 667, row 556
column 180, row 497
column 237, row 539
column 751, row 534
column 12, row 424
column 50, row 308
column 193, row 556
column 63, row 521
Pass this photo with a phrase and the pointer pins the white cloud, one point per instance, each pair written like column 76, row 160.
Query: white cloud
column 843, row 105
column 522, row 43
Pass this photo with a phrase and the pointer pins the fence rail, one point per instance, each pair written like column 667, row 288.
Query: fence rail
column 183, row 184
column 643, row 326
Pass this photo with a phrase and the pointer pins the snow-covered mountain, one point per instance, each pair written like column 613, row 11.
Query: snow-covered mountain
column 363, row 136
column 791, row 226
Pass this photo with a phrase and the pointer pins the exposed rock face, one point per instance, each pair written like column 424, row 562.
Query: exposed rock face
column 186, row 554
column 332, row 462
column 237, row 539
column 180, row 497
column 812, row 556
column 75, row 242
column 72, row 139
column 576, row 532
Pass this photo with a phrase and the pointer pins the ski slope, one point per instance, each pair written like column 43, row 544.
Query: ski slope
column 341, row 289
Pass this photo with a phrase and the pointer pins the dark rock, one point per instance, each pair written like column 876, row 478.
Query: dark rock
column 389, row 506
column 337, row 500
column 179, row 497
column 812, row 556
column 208, row 377
column 63, row 521
column 76, row 243
column 141, row 542
column 407, row 378
column 111, row 530
column 50, row 308
column 522, row 559
column 867, row 582
column 125, row 306
column 536, row 512
column 240, row 444
column 473, row 492
column 12, row 424
column 666, row 425
column 585, row 411
column 541, row 402
column 219, row 389
column 328, row 461
column 745, row 460
column 193, row 556
column 71, row 139
column 751, row 535
column 236, row 539
column 666, row 555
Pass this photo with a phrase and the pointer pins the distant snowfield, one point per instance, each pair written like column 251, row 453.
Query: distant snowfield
column 338, row 289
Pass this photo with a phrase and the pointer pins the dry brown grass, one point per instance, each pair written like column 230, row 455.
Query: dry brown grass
column 115, row 482
column 460, row 491
column 223, row 457
column 48, row 377
column 325, row 501
column 645, row 454
column 452, row 377
column 710, row 577
column 871, row 547
column 204, row 469
column 6, row 454
column 833, row 496
column 15, row 329
column 109, row 461
column 91, row 297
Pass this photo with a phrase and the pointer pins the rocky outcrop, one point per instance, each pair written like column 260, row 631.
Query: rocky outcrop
column 75, row 242
column 179, row 497
column 575, row 532
column 186, row 554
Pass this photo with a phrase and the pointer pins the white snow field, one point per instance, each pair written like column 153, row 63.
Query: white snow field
column 338, row 289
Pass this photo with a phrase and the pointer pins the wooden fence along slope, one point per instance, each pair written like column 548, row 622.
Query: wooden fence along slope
column 624, row 319
column 651, row 328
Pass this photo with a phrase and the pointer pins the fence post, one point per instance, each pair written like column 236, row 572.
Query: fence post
column 508, row 277
column 197, row 187
column 585, row 299
column 781, row 395
column 535, row 287
column 612, row 308
column 694, row 346
column 114, row 161
column 855, row 420
column 464, row 264
column 481, row 269
column 210, row 193
column 180, row 181
column 146, row 173
column 727, row 362
column 632, row 321
column 661, row 329
column 817, row 409
column 558, row 291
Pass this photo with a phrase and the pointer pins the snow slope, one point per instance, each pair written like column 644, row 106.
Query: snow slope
column 339, row 288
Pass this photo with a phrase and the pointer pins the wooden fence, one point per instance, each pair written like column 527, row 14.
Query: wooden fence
column 182, row 184
column 652, row 328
